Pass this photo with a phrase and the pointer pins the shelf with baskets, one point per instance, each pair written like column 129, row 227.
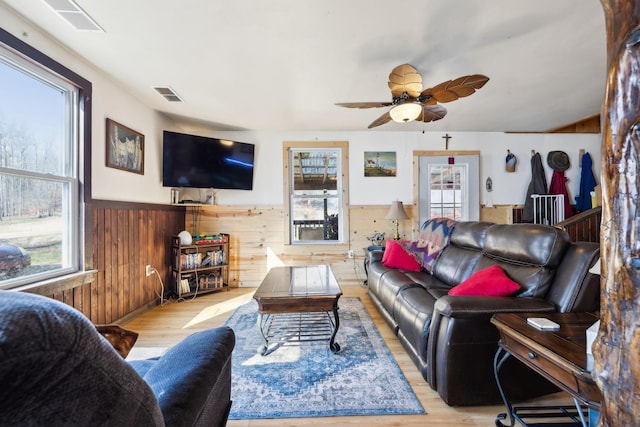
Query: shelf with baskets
column 201, row 267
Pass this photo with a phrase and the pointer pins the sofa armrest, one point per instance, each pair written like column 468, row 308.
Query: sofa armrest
column 188, row 373
column 468, row 306
column 462, row 343
column 375, row 256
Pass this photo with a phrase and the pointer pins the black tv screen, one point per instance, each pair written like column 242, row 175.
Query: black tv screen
column 202, row 162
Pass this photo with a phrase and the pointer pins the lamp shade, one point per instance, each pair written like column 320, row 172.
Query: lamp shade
column 406, row 112
column 396, row 211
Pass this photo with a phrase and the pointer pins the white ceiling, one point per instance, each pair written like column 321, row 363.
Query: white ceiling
column 283, row 64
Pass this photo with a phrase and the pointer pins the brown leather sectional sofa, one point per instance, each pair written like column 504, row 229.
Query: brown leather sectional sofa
column 450, row 338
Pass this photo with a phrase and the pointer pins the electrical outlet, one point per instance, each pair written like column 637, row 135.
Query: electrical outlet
column 350, row 254
column 149, row 270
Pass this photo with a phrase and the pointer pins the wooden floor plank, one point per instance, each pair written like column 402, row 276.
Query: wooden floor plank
column 163, row 326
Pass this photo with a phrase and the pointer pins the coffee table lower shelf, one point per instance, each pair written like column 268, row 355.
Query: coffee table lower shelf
column 286, row 328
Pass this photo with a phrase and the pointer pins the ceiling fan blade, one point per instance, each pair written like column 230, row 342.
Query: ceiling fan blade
column 459, row 88
column 385, row 118
column 363, row 104
column 431, row 113
column 405, row 78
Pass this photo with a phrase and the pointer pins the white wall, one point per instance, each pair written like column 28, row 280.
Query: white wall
column 111, row 101
column 508, row 188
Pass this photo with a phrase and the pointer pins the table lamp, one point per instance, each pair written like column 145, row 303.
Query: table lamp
column 396, row 213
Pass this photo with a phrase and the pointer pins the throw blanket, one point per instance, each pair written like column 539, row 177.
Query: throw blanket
column 430, row 241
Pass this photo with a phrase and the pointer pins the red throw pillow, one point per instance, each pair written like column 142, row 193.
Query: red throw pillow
column 490, row 282
column 396, row 257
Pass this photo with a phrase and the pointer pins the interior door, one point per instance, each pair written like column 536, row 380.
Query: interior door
column 449, row 187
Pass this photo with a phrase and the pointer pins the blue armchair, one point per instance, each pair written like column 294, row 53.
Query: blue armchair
column 58, row 370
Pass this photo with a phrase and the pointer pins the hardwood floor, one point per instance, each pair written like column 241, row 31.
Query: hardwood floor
column 165, row 325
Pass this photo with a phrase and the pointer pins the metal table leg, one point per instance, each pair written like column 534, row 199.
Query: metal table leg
column 521, row 413
column 262, row 324
column 498, row 360
column 334, row 346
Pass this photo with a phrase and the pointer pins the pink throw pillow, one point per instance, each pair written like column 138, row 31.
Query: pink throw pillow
column 492, row 281
column 396, row 257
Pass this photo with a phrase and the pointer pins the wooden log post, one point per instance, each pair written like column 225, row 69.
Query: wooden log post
column 617, row 347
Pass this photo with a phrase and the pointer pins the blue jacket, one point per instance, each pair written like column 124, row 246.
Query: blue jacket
column 587, row 184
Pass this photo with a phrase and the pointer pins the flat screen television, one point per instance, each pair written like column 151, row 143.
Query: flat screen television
column 203, row 162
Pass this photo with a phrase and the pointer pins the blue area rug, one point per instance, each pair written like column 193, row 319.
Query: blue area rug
column 305, row 379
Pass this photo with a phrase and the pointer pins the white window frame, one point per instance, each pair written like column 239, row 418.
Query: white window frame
column 342, row 189
column 23, row 58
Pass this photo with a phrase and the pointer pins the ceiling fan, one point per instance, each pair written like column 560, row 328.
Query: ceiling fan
column 409, row 100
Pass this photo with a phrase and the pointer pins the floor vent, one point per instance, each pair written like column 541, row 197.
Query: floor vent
column 168, row 94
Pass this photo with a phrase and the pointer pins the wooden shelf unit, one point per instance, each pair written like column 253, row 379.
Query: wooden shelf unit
column 199, row 268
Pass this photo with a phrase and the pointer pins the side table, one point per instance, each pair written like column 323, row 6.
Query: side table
column 559, row 356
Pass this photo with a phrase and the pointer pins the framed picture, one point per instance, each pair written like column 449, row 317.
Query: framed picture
column 125, row 148
column 379, row 163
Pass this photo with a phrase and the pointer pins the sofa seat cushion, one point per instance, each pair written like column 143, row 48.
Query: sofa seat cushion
column 390, row 284
column 427, row 281
column 412, row 311
column 491, row 281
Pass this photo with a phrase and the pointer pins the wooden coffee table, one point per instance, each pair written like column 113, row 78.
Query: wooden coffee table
column 298, row 303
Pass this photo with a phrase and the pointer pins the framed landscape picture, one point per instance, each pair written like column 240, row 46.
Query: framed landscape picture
column 125, row 148
column 379, row 163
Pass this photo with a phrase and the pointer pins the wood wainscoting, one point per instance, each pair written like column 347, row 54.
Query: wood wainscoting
column 121, row 239
column 584, row 226
column 257, row 240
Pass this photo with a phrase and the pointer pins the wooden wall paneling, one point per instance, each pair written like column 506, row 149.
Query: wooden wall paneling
column 122, row 238
column 257, row 240
column 98, row 250
column 499, row 214
column 584, row 226
column 150, row 235
column 108, row 270
column 117, row 296
column 144, row 236
column 133, row 261
column 589, row 124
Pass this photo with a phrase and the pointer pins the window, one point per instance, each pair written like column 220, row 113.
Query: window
column 448, row 185
column 41, row 124
column 315, row 192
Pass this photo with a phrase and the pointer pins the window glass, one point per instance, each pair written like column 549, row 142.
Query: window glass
column 315, row 196
column 446, row 191
column 38, row 172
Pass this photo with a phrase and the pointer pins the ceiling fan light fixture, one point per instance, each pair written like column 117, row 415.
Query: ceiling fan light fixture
column 406, row 112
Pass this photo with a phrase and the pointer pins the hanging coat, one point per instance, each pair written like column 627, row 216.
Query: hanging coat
column 538, row 185
column 559, row 186
column 587, row 184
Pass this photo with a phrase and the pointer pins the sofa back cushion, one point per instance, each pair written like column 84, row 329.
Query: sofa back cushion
column 57, row 370
column 574, row 287
column 463, row 252
column 530, row 254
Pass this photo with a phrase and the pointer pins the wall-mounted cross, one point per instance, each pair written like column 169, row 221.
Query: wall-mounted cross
column 447, row 137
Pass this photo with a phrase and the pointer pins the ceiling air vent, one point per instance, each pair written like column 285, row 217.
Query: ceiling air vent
column 74, row 15
column 168, row 94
